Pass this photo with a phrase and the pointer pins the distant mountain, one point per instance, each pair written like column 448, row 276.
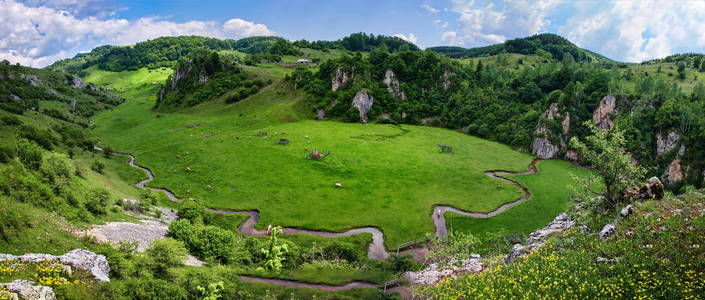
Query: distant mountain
column 556, row 45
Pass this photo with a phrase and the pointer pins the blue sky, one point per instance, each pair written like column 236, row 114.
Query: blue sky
column 38, row 32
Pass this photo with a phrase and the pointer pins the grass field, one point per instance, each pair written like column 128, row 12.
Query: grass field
column 391, row 175
column 550, row 196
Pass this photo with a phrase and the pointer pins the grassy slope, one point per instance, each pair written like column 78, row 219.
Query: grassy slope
column 550, row 197
column 255, row 173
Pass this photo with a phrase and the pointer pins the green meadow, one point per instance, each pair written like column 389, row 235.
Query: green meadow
column 391, row 176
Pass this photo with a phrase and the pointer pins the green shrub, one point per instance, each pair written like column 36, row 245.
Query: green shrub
column 97, row 202
column 193, row 211
column 166, row 254
column 42, row 137
column 13, row 220
column 207, row 242
column 98, row 166
column 29, row 154
column 10, row 120
column 7, row 153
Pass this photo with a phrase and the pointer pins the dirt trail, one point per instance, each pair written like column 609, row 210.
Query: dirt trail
column 376, row 249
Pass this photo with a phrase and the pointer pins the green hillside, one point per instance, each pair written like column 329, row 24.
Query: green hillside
column 253, row 174
column 540, row 44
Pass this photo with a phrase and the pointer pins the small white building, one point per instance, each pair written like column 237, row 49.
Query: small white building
column 303, row 61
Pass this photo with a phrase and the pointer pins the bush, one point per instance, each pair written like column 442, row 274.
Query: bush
column 11, row 120
column 97, row 201
column 207, row 242
column 13, row 219
column 166, row 254
column 98, row 166
column 6, row 153
column 29, row 154
column 42, row 137
column 193, row 211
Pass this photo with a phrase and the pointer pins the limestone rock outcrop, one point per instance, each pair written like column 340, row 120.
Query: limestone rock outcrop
column 81, row 259
column 666, row 143
column 76, row 82
column 32, row 79
column 25, row 289
column 363, row 102
column 674, row 173
column 548, row 144
column 536, row 239
column 602, row 116
column 393, row 86
column 340, row 79
column 436, row 272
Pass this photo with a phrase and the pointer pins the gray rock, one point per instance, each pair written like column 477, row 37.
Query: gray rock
column 674, row 173
column 544, row 146
column 83, row 259
column 33, row 80
column 436, row 272
column 320, row 114
column 518, row 250
column 604, row 260
column 76, row 82
column 26, row 289
column 627, row 210
column 607, row 231
column 602, row 116
column 340, row 79
column 666, row 143
column 363, row 102
column 393, row 86
column 584, row 228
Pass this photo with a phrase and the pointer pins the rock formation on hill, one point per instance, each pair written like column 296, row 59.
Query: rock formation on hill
column 602, row 116
column 363, row 102
column 548, row 144
column 666, row 143
column 393, row 86
column 340, row 79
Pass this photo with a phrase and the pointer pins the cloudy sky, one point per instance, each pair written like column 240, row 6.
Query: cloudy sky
column 38, row 32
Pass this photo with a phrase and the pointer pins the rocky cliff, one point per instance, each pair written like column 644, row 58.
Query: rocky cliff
column 602, row 116
column 547, row 143
column 393, row 86
column 341, row 78
column 363, row 102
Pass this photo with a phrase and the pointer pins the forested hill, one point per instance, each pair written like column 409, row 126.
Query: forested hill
column 541, row 44
column 166, row 51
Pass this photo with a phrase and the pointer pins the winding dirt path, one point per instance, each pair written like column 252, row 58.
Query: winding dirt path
column 376, row 249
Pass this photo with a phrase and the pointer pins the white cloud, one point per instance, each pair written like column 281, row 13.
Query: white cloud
column 242, row 28
column 440, row 23
column 639, row 30
column 483, row 22
column 450, row 38
column 37, row 36
column 411, row 38
column 430, row 8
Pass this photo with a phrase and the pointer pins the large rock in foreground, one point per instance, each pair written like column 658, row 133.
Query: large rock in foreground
column 25, row 289
column 651, row 190
column 81, row 259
